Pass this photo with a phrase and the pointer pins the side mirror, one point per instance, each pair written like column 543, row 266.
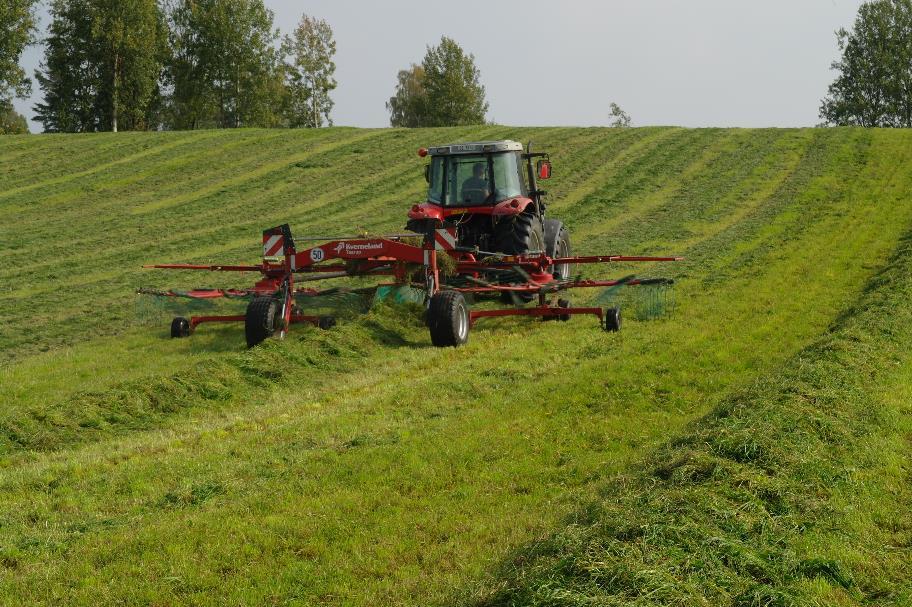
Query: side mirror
column 427, row 173
column 544, row 169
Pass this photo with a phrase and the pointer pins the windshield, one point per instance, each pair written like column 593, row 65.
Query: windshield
column 474, row 179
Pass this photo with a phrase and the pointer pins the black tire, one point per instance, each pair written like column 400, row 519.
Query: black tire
column 557, row 244
column 180, row 327
column 518, row 235
column 563, row 303
column 448, row 319
column 260, row 321
column 521, row 234
column 326, row 322
column 613, row 320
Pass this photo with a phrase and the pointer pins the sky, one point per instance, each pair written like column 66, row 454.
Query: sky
column 695, row 63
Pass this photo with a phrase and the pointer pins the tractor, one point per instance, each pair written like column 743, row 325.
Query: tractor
column 488, row 191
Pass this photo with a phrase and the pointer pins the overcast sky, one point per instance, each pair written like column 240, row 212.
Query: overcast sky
column 748, row 63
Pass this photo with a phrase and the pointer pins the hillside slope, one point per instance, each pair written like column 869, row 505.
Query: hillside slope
column 360, row 465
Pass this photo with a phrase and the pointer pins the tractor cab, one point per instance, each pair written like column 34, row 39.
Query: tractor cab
column 480, row 174
column 475, row 174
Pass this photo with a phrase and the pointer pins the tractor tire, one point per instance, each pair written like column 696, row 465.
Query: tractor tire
column 518, row 235
column 448, row 319
column 613, row 320
column 326, row 322
column 557, row 244
column 561, row 303
column 260, row 320
column 180, row 327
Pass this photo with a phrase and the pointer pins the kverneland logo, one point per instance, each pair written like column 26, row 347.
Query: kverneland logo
column 357, row 247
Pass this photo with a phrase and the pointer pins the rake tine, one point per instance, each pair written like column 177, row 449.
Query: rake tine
column 607, row 293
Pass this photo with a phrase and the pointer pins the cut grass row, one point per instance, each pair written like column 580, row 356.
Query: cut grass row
column 794, row 491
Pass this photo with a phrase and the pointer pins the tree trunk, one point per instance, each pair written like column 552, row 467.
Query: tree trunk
column 313, row 98
column 114, row 93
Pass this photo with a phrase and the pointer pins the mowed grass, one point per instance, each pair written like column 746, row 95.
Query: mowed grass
column 359, row 465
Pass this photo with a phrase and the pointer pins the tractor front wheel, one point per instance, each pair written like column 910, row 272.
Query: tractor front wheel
column 260, row 320
column 448, row 319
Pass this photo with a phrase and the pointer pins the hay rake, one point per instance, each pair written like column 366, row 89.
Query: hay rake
column 433, row 268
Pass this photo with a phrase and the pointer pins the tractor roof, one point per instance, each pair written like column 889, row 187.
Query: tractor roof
column 476, row 147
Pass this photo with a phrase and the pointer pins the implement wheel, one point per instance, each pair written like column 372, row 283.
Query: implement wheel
column 260, row 321
column 180, row 327
column 613, row 320
column 448, row 319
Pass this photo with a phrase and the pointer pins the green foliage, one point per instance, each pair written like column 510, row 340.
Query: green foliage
column 11, row 122
column 408, row 107
column 103, row 66
column 620, row 118
column 873, row 87
column 361, row 466
column 224, row 68
column 309, row 70
column 132, row 36
column 17, row 25
column 444, row 91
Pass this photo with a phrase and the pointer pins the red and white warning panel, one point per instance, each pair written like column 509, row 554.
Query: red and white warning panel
column 445, row 239
column 273, row 245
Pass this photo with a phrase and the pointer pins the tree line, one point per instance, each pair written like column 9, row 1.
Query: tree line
column 115, row 65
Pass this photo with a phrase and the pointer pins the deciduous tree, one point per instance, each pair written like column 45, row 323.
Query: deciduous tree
column 103, row 66
column 407, row 106
column 12, row 122
column 17, row 28
column 309, row 70
column 444, row 91
column 224, row 67
column 873, row 86
column 620, row 118
column 455, row 96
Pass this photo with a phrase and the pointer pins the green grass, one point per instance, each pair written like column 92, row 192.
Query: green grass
column 545, row 463
column 792, row 491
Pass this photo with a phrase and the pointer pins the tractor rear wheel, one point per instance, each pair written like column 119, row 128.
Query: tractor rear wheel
column 260, row 320
column 180, row 327
column 448, row 319
column 613, row 320
column 519, row 235
column 563, row 303
column 557, row 242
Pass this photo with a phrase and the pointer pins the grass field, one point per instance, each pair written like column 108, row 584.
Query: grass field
column 750, row 449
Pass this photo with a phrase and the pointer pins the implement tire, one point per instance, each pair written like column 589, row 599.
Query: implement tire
column 180, row 327
column 260, row 320
column 613, row 320
column 448, row 319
